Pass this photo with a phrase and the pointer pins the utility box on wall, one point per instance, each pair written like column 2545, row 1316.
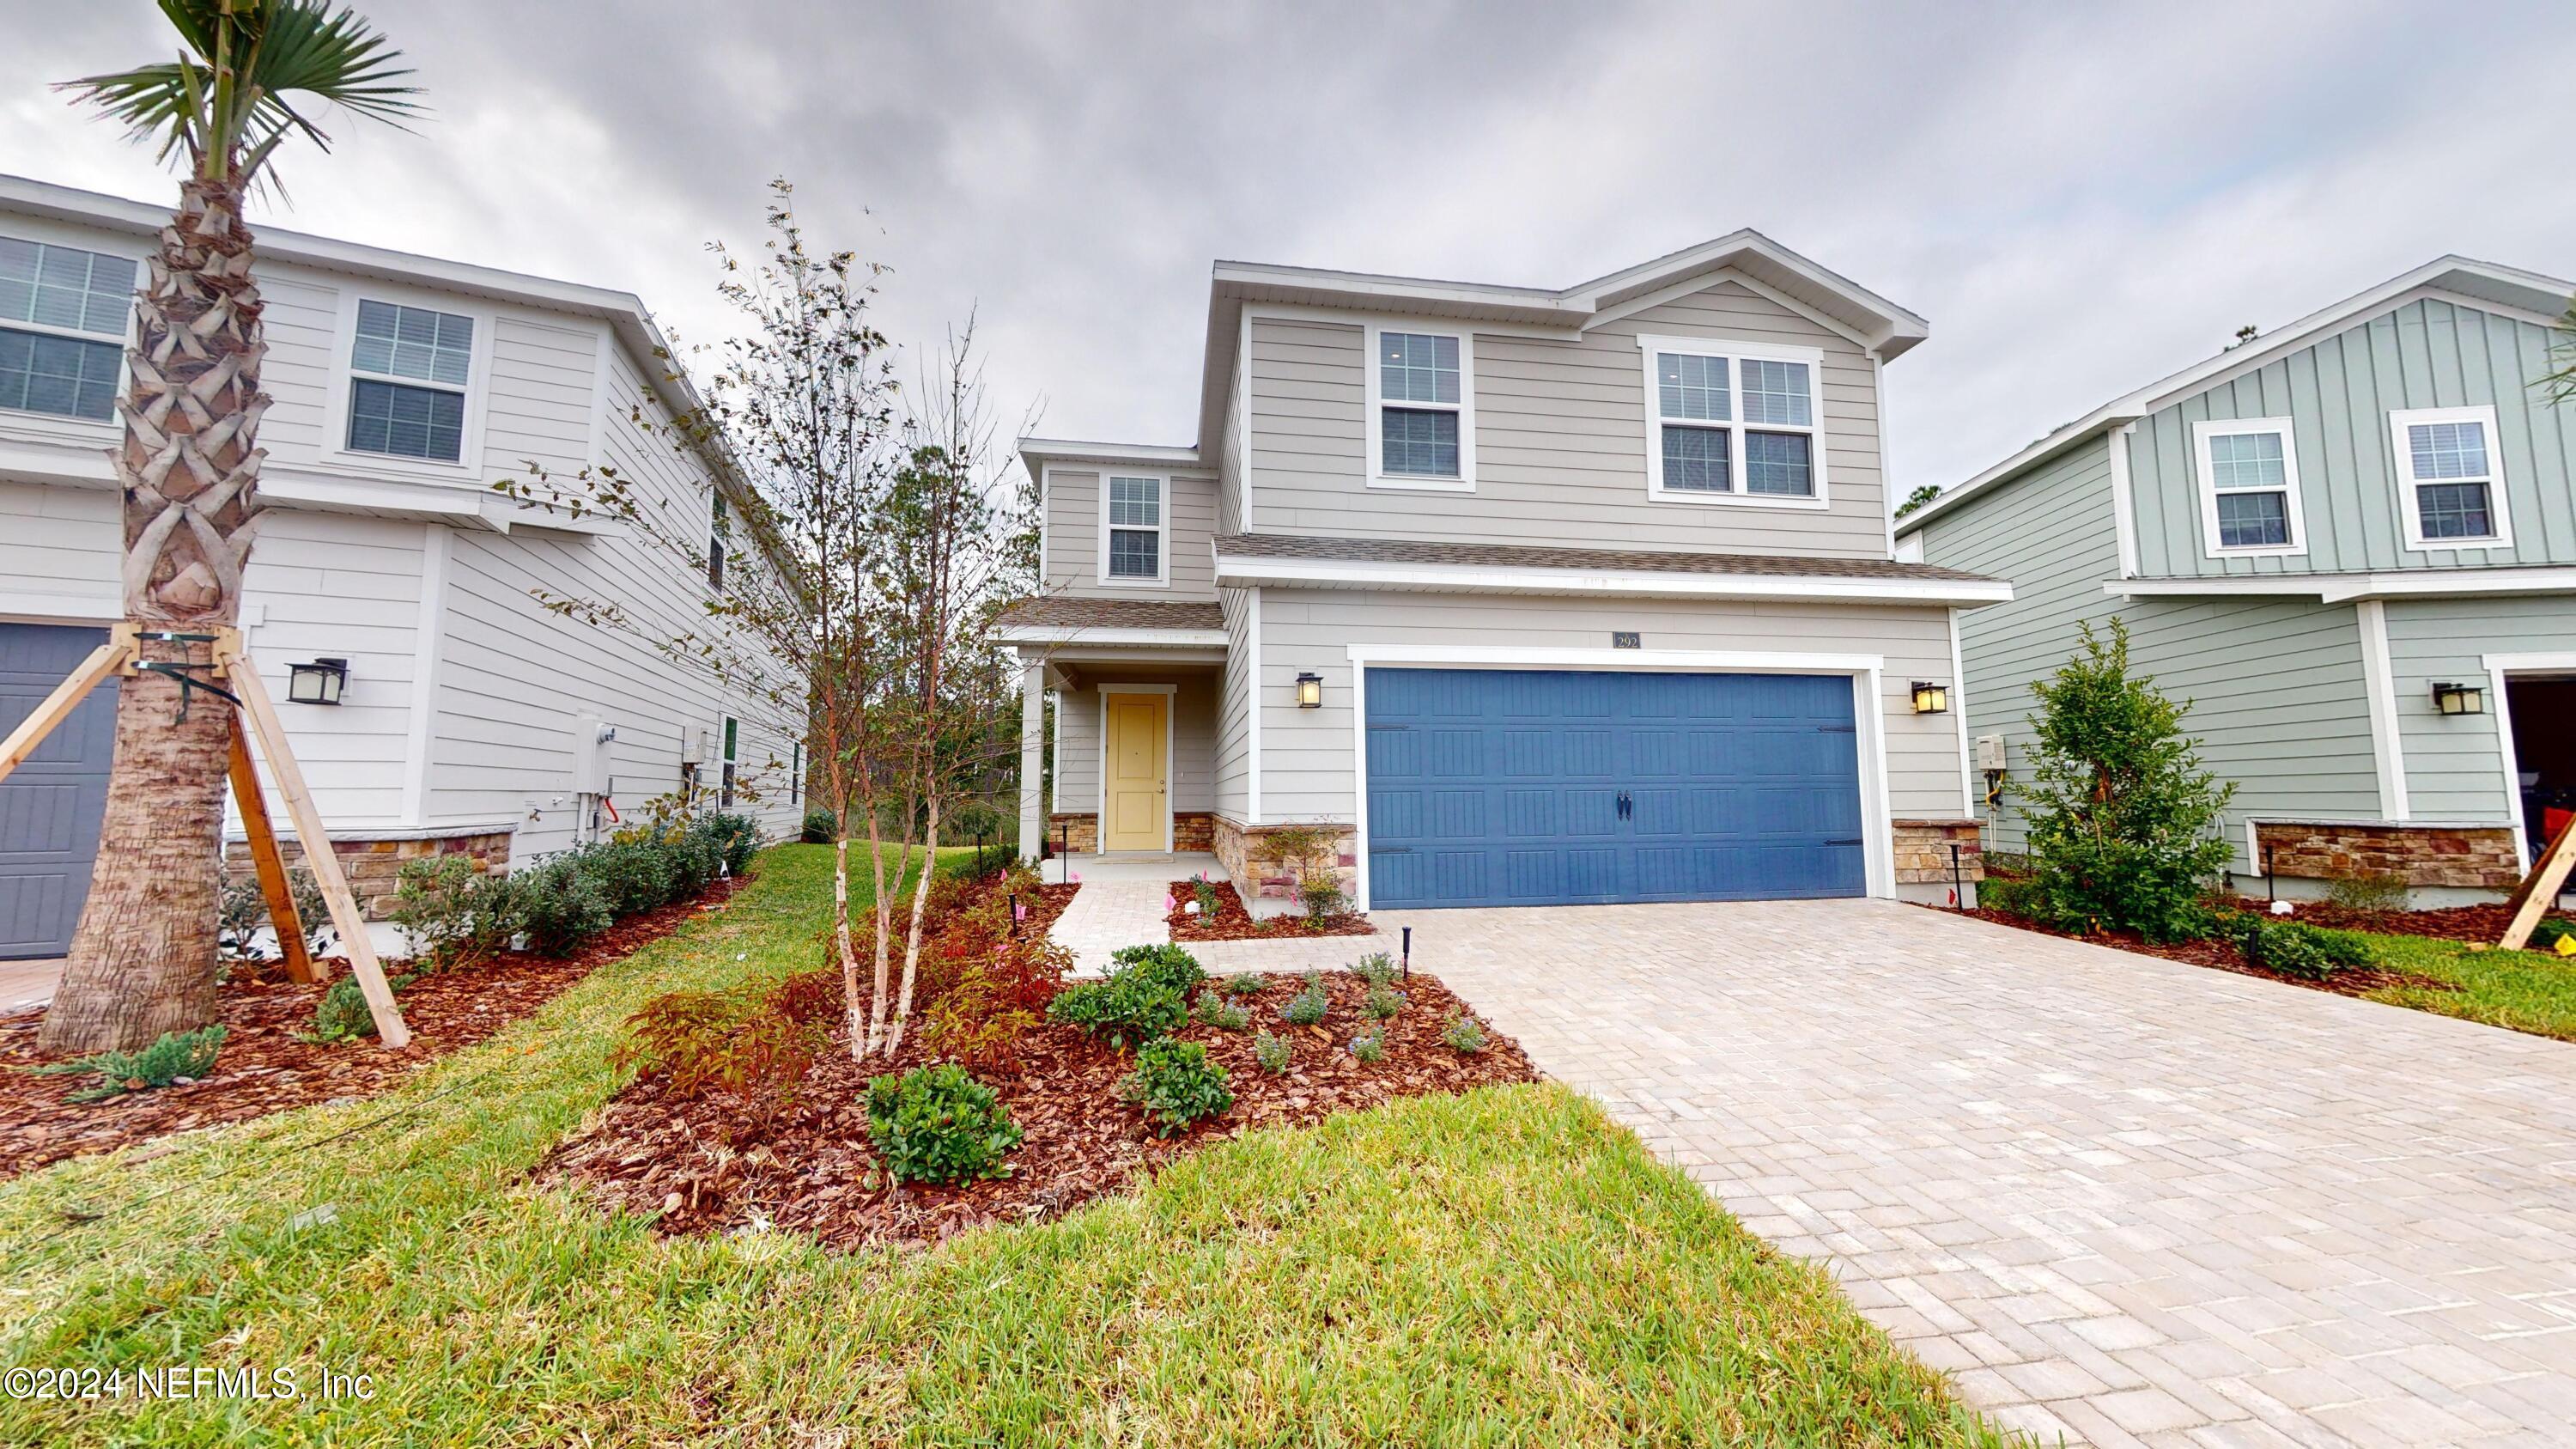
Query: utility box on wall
column 1990, row 752
column 591, row 739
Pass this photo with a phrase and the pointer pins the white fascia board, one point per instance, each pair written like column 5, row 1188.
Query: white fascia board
column 2350, row 588
column 1066, row 450
column 1052, row 634
column 1254, row 572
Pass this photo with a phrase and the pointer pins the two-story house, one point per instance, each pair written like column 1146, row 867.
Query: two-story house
column 467, row 717
column 2351, row 543
column 1530, row 596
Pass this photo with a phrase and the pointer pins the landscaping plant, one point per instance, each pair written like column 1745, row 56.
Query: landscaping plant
column 1128, row 1006
column 1176, row 1084
column 245, row 912
column 939, row 1124
column 1462, row 1034
column 1214, row 1010
column 1250, row 983
column 562, row 907
column 2123, row 822
column 1204, row 890
column 2292, row 949
column 1271, row 1052
column 2368, row 891
column 750, row 1047
column 455, row 911
column 1384, row 1002
column 1370, row 1046
column 174, row 1057
column 342, row 1014
column 1307, row 1007
column 1169, row 964
column 820, row 827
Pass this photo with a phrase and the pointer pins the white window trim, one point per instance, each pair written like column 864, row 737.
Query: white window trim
column 1162, row 578
column 2201, row 433
column 345, row 375
column 1465, row 407
column 1733, row 350
column 123, row 341
column 2402, row 467
column 1171, row 727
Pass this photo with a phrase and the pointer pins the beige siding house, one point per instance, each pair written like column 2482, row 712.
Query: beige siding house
column 1529, row 596
column 473, row 719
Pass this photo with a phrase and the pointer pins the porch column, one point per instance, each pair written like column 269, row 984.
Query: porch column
column 1032, row 758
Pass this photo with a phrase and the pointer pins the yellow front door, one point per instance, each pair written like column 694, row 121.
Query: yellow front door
column 1134, row 809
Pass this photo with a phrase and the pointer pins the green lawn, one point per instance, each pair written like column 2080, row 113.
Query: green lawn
column 2529, row 991
column 1502, row 1268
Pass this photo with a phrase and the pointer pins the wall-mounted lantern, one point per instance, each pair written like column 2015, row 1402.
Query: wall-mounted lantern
column 2459, row 699
column 1930, row 698
column 1310, row 691
column 321, row 682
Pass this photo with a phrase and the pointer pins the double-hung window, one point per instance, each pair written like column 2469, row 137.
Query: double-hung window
column 1422, row 421
column 2249, row 488
column 62, row 328
column 719, row 533
column 1733, row 424
column 725, row 789
column 2449, row 485
column 1131, row 550
column 408, row 370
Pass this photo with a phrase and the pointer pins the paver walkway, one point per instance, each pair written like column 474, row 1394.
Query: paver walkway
column 2117, row 1198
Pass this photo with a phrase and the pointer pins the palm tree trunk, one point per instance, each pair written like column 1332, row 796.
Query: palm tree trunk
column 143, row 957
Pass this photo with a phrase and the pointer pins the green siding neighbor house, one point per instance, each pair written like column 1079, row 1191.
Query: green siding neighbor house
column 2351, row 543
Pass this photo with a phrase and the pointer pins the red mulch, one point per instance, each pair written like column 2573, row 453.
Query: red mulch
column 816, row 1172
column 2453, row 923
column 2227, row 956
column 266, row 1067
column 1232, row 922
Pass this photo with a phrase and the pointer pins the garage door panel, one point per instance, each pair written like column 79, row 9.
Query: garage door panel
column 51, row 805
column 1568, row 786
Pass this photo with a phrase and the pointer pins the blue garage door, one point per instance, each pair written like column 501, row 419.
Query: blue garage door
column 50, row 806
column 1537, row 787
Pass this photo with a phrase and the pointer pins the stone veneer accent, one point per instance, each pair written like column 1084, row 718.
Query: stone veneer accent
column 374, row 864
column 1191, row 830
column 2474, row 857
column 1074, row 833
column 1923, row 851
column 1243, row 851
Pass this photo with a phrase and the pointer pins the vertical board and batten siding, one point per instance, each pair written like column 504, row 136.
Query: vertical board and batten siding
column 1194, row 736
column 2455, row 763
column 1234, row 707
column 1073, row 538
column 1306, row 754
column 2277, row 687
column 1560, row 439
column 2338, row 393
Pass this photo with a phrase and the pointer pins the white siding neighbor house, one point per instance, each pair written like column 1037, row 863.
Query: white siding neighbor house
column 2351, row 543
column 473, row 719
column 1528, row 596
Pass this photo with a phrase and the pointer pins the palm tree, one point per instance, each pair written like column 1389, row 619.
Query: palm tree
column 143, row 957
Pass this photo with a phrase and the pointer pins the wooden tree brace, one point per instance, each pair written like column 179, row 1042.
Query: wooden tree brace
column 274, row 885
column 2539, row 890
column 259, row 716
column 114, row 656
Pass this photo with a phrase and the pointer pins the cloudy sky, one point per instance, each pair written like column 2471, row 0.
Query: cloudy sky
column 2080, row 198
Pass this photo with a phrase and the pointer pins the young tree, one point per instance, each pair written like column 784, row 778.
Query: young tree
column 1923, row 494
column 2123, row 822
column 143, row 957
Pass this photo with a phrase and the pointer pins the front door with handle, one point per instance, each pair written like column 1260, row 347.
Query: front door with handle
column 1136, row 789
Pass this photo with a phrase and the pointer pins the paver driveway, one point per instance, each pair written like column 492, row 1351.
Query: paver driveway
column 2120, row 1199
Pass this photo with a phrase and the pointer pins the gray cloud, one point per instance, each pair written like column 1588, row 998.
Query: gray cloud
column 2080, row 198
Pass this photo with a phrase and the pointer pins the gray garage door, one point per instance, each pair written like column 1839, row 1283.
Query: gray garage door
column 50, row 805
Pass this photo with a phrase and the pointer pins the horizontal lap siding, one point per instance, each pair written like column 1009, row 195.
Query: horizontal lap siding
column 2338, row 394
column 59, row 543
column 1073, row 538
column 1560, row 440
column 1234, row 707
column 1307, row 768
column 2454, row 763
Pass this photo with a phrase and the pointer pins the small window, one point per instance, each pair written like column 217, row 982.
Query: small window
column 2249, row 487
column 1730, row 425
column 67, row 300
column 2448, row 480
column 796, row 772
column 406, row 396
column 724, row 792
column 719, row 529
column 1421, row 418
column 1134, row 521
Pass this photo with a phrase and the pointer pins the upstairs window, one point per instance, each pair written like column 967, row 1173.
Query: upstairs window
column 719, row 529
column 1421, row 417
column 56, row 304
column 2249, row 488
column 1132, row 526
column 2447, row 478
column 1732, row 424
column 409, row 367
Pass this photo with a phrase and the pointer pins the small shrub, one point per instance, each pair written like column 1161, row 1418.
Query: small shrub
column 1167, row 964
column 1250, row 983
column 1204, row 891
column 939, row 1124
column 2288, row 948
column 1323, row 898
column 994, row 1003
column 1370, row 1046
column 634, row 875
column 2015, row 897
column 1271, row 1052
column 1128, row 1007
column 748, row 1049
column 2368, row 891
column 2547, row 935
column 1307, row 1007
column 1214, row 1010
column 735, row 839
column 811, row 998
column 1462, row 1034
column 244, row 911
column 1384, row 1002
column 822, row 827
column 562, row 908
column 456, row 912
column 179, row 1056
column 342, row 1014
column 1176, row 1085
column 1376, row 968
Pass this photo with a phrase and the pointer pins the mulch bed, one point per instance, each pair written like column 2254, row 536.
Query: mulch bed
column 265, row 1066
column 2452, row 923
column 2227, row 956
column 1231, row 922
column 816, row 1172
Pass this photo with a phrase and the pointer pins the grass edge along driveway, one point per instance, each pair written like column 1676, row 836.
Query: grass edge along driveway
column 1506, row 1267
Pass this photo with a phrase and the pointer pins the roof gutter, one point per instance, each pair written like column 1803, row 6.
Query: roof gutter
column 1246, row 571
